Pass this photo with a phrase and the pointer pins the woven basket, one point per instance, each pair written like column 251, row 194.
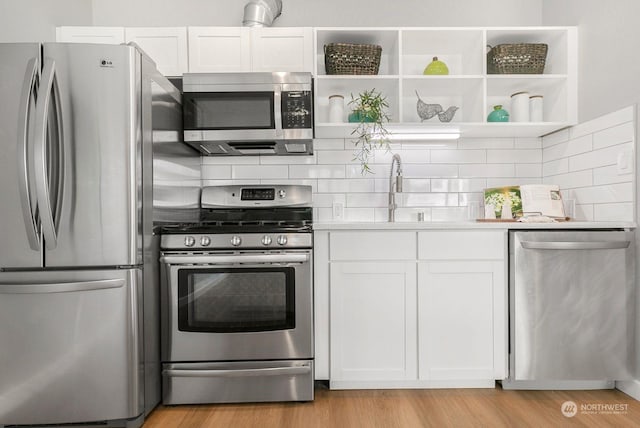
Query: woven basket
column 520, row 58
column 348, row 58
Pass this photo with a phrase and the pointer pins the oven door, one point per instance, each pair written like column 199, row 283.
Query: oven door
column 237, row 306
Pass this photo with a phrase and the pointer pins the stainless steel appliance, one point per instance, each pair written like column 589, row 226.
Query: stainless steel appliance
column 571, row 308
column 249, row 113
column 79, row 342
column 237, row 298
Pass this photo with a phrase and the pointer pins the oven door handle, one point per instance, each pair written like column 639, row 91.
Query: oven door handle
column 271, row 371
column 234, row 259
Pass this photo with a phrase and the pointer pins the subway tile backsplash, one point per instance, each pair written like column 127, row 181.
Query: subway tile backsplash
column 440, row 178
column 587, row 162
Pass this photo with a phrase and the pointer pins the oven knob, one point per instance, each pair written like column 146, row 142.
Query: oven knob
column 205, row 241
column 282, row 194
column 266, row 240
column 236, row 240
column 282, row 240
column 189, row 241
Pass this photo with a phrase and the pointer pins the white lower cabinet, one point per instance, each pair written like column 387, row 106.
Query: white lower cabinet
column 459, row 304
column 435, row 319
column 373, row 323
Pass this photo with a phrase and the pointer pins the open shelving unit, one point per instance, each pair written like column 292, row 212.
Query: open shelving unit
column 407, row 51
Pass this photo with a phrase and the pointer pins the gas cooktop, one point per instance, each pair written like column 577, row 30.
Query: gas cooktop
column 249, row 209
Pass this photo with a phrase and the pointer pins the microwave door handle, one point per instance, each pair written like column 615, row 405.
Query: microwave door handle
column 277, row 110
column 29, row 87
column 43, row 190
column 579, row 245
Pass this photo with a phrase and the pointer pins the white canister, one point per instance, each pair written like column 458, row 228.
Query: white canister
column 536, row 108
column 520, row 107
column 336, row 108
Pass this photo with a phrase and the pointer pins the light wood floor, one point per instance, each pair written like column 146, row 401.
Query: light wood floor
column 410, row 408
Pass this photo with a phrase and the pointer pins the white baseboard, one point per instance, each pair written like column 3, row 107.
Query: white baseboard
column 630, row 387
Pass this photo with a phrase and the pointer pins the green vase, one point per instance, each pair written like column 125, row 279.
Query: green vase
column 358, row 116
column 436, row 67
column 498, row 115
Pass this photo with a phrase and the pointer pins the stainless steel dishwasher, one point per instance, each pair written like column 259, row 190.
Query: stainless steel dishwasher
column 571, row 307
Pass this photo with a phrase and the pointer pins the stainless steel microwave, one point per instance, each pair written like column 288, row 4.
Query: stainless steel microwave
column 248, row 113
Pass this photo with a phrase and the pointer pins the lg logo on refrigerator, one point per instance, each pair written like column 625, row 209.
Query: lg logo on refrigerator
column 106, row 63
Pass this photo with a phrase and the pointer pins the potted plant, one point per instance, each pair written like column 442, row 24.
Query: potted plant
column 369, row 111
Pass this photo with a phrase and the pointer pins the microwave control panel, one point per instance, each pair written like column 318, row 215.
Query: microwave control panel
column 296, row 109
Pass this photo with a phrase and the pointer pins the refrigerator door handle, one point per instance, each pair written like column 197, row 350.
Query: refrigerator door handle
column 29, row 87
column 63, row 287
column 43, row 152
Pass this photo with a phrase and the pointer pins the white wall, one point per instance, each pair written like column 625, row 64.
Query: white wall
column 609, row 62
column 297, row 13
column 36, row 20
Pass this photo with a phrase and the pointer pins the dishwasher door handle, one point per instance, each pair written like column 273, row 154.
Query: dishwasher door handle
column 575, row 245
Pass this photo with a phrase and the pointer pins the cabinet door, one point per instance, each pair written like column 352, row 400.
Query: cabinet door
column 373, row 321
column 282, row 49
column 462, row 320
column 101, row 35
column 219, row 49
column 167, row 47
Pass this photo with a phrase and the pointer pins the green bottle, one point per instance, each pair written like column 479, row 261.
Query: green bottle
column 498, row 115
column 436, row 67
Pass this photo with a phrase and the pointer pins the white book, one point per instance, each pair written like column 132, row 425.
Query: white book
column 542, row 199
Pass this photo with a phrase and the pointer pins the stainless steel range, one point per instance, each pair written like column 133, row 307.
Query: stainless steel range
column 237, row 298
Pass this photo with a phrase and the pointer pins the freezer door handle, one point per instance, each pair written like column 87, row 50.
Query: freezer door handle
column 271, row 371
column 29, row 88
column 577, row 245
column 46, row 157
column 62, row 287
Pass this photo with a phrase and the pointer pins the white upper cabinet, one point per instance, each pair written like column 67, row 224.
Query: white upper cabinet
column 219, row 49
column 231, row 49
column 167, row 46
column 178, row 50
column 282, row 49
column 102, row 35
column 407, row 51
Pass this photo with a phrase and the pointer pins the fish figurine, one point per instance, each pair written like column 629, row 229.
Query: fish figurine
column 427, row 111
column 447, row 115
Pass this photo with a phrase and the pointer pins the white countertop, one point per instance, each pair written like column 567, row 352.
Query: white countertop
column 426, row 225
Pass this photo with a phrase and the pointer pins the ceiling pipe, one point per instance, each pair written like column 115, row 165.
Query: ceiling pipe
column 261, row 13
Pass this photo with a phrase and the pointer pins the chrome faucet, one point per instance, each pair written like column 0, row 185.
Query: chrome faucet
column 394, row 187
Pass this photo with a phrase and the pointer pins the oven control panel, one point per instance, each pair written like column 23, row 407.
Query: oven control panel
column 256, row 196
column 235, row 241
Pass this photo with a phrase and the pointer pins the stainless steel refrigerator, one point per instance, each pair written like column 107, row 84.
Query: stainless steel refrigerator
column 78, row 280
